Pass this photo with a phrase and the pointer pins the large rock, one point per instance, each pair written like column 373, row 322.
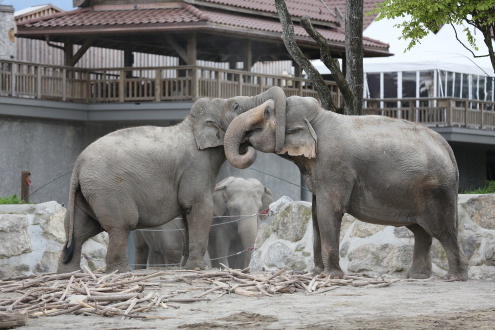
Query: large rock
column 285, row 241
column 32, row 236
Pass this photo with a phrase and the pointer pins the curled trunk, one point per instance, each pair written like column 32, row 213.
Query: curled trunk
column 236, row 132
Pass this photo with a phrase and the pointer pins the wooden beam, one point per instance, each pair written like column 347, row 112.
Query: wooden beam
column 248, row 56
column 68, row 52
column 192, row 51
column 178, row 48
column 84, row 47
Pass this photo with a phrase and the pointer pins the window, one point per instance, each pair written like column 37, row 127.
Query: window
column 390, row 85
column 373, row 85
column 409, row 84
column 426, row 84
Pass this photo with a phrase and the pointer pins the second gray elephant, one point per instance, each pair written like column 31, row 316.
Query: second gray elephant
column 237, row 204
column 380, row 170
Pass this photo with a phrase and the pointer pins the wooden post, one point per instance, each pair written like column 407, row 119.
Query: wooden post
column 39, row 72
column 64, row 84
column 482, row 116
column 465, row 113
column 25, row 183
column 219, row 83
column 122, row 86
column 240, row 84
column 450, row 112
column 194, row 83
column 13, row 78
column 158, row 85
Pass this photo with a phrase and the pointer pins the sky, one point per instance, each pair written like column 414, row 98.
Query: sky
column 22, row 4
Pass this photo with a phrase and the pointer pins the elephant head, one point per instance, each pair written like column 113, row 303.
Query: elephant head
column 260, row 125
column 212, row 116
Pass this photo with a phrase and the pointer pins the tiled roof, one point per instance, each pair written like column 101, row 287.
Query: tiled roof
column 165, row 18
column 91, row 17
column 322, row 10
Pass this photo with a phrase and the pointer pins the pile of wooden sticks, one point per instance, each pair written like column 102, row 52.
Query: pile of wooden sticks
column 130, row 294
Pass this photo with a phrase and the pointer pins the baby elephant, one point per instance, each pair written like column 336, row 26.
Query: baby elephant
column 237, row 204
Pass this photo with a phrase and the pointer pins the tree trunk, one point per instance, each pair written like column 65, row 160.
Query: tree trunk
column 354, row 54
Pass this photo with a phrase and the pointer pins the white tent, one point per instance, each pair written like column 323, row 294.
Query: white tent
column 438, row 66
column 436, row 51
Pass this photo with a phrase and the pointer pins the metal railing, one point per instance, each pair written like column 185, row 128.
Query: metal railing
column 436, row 112
column 141, row 84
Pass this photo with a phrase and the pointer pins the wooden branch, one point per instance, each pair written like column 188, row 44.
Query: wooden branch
column 298, row 56
column 12, row 320
column 331, row 63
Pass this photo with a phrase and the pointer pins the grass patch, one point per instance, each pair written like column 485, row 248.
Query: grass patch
column 11, row 200
column 487, row 189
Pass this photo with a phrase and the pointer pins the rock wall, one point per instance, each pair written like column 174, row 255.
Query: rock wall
column 285, row 241
column 32, row 236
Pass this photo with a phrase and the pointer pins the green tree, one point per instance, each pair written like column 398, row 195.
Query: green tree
column 427, row 16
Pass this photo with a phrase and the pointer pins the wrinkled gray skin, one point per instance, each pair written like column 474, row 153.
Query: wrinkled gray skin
column 236, row 196
column 143, row 177
column 232, row 197
column 380, row 170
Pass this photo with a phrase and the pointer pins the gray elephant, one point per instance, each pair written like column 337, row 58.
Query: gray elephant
column 236, row 197
column 228, row 234
column 160, row 246
column 143, row 177
column 380, row 170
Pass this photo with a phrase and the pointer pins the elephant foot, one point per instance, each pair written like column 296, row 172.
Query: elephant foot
column 196, row 263
column 419, row 274
column 458, row 276
column 317, row 270
column 119, row 268
column 333, row 273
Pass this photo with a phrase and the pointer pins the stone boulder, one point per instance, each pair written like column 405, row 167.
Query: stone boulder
column 285, row 241
column 32, row 237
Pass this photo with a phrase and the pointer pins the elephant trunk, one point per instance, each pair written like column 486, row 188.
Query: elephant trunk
column 276, row 94
column 235, row 135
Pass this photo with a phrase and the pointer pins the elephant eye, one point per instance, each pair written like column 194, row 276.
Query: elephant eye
column 236, row 106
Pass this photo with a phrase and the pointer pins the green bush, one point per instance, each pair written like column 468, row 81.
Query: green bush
column 487, row 189
column 11, row 200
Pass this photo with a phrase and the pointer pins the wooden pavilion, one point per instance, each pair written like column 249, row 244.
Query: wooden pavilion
column 212, row 30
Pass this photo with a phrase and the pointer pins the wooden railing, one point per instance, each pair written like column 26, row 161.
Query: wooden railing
column 436, row 112
column 179, row 83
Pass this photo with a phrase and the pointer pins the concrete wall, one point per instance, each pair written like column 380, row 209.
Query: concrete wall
column 46, row 148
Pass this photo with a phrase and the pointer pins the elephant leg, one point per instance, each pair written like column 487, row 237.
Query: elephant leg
column 458, row 264
column 442, row 225
column 329, row 218
column 185, row 240
column 218, row 249
column 85, row 227
column 316, row 240
column 198, row 217
column 421, row 265
column 141, row 251
column 117, row 250
column 247, row 230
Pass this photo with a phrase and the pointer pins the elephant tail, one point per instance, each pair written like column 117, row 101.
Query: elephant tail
column 69, row 246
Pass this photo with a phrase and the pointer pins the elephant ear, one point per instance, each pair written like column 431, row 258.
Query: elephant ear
column 220, row 197
column 207, row 133
column 301, row 140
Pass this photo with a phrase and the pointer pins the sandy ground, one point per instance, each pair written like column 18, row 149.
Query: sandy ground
column 404, row 305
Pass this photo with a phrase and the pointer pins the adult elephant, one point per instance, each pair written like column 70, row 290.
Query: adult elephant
column 237, row 204
column 145, row 176
column 380, row 170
